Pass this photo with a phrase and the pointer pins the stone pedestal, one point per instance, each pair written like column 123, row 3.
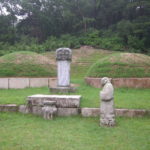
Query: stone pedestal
column 63, row 89
column 63, row 58
column 66, row 105
column 49, row 110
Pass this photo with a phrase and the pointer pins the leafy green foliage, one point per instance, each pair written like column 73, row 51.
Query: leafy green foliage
column 118, row 24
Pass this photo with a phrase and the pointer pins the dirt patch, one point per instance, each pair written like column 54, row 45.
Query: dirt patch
column 135, row 58
column 51, row 56
column 87, row 52
column 130, row 58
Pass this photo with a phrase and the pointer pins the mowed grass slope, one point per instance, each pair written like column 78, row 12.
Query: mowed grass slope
column 121, row 65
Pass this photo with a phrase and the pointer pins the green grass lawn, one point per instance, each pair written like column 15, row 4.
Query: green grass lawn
column 28, row 132
column 124, row 97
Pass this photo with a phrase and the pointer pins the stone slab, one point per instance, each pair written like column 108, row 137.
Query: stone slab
column 90, row 112
column 68, row 112
column 62, row 112
column 132, row 112
column 62, row 101
column 93, row 112
column 4, row 83
column 37, row 110
column 9, row 108
column 23, row 109
column 52, row 82
column 121, row 82
column 38, row 82
column 62, row 89
column 18, row 83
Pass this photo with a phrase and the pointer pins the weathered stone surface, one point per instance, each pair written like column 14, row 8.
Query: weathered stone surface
column 90, row 112
column 121, row 82
column 49, row 110
column 132, row 112
column 4, row 83
column 63, row 54
column 95, row 82
column 63, row 73
column 67, row 111
column 9, row 108
column 18, row 83
column 36, row 110
column 62, row 112
column 63, row 89
column 93, row 112
column 52, row 82
column 38, row 82
column 23, row 109
column 63, row 57
column 63, row 101
column 107, row 115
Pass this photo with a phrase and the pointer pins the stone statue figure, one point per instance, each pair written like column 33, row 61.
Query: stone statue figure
column 107, row 111
column 49, row 109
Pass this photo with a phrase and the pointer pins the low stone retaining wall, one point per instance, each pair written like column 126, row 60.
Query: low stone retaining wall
column 93, row 112
column 121, row 82
column 85, row 112
column 20, row 83
column 9, row 108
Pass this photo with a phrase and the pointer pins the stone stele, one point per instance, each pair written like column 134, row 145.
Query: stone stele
column 107, row 111
column 63, row 57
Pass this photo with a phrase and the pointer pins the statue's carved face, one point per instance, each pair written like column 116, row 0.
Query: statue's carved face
column 104, row 81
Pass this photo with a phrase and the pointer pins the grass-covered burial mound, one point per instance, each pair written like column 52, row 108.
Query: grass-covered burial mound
column 25, row 63
column 121, row 65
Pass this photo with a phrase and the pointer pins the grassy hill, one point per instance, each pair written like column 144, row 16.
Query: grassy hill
column 24, row 63
column 121, row 65
column 96, row 62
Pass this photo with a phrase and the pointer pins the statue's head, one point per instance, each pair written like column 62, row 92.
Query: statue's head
column 105, row 80
column 63, row 54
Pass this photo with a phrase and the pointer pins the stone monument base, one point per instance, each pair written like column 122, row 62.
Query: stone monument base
column 62, row 105
column 62, row 89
